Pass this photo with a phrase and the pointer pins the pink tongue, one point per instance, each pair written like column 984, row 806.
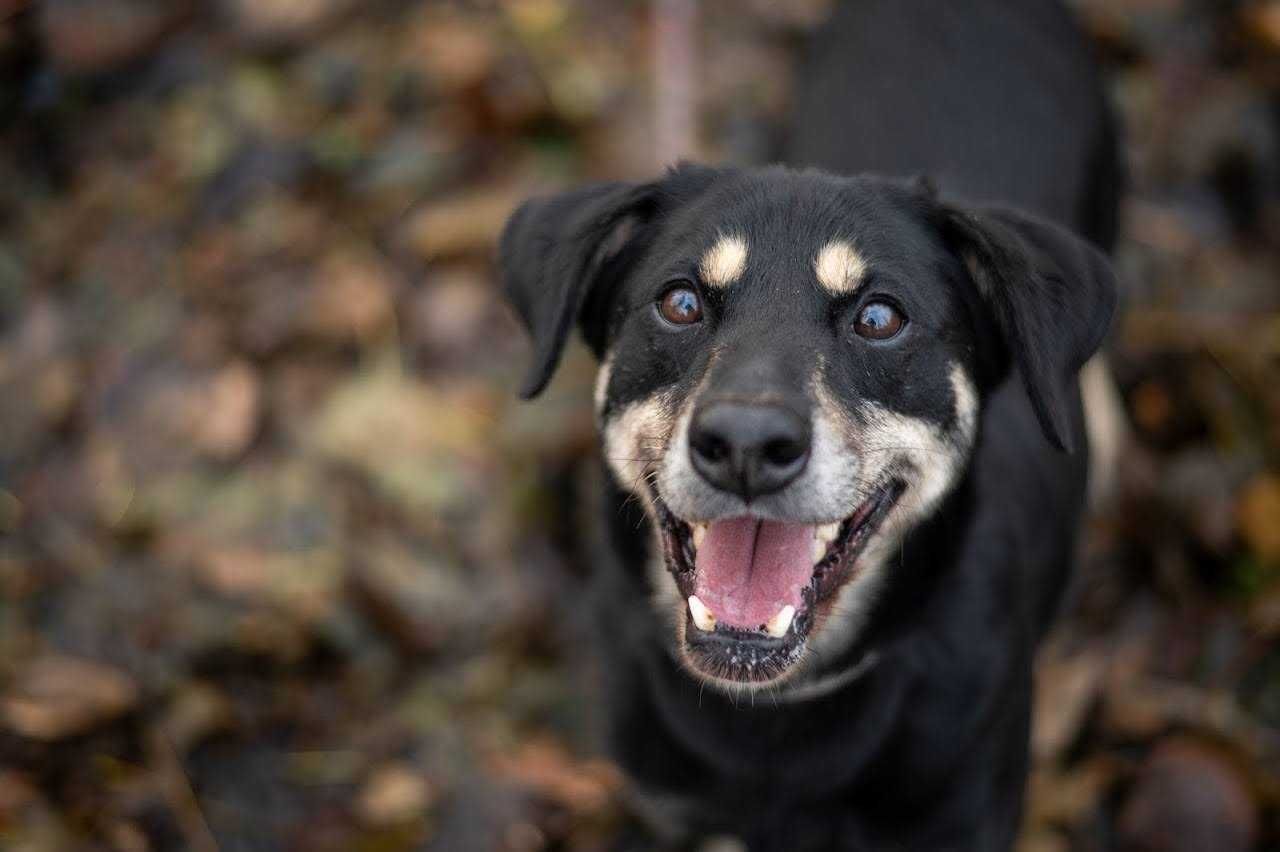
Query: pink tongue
column 748, row 569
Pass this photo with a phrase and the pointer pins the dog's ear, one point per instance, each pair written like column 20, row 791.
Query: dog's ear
column 1050, row 293
column 558, row 254
column 552, row 251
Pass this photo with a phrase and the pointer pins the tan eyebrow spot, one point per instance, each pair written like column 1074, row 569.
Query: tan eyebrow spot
column 840, row 269
column 724, row 262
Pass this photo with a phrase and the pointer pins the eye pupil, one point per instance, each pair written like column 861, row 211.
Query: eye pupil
column 680, row 306
column 878, row 321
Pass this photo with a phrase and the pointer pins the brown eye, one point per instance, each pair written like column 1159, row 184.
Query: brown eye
column 878, row 321
column 680, row 306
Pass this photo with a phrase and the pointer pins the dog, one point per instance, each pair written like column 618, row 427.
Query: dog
column 841, row 421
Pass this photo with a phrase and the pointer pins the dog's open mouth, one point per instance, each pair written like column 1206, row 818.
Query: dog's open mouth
column 754, row 587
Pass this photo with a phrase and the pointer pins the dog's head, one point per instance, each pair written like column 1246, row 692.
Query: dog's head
column 792, row 374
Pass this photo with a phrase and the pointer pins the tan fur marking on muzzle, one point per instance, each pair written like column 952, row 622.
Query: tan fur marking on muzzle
column 635, row 440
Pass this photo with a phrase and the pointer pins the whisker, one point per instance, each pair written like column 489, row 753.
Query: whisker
column 891, row 448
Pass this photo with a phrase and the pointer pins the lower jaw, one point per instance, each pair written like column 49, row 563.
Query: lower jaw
column 746, row 657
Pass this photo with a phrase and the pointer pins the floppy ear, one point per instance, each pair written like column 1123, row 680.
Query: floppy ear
column 552, row 252
column 1051, row 294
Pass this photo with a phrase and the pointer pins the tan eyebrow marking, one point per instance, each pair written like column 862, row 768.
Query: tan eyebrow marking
column 724, row 262
column 839, row 267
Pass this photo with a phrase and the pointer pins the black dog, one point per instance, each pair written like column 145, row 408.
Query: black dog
column 844, row 431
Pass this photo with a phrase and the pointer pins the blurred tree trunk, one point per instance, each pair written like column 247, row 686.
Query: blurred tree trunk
column 674, row 26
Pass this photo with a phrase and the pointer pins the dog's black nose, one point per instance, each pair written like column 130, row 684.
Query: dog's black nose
column 748, row 450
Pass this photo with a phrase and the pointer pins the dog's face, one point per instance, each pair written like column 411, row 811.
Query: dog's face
column 792, row 373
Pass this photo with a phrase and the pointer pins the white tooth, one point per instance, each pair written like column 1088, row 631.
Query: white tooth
column 699, row 533
column 827, row 532
column 702, row 616
column 819, row 550
column 778, row 625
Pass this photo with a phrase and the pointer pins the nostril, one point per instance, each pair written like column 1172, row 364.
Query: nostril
column 711, row 447
column 783, row 451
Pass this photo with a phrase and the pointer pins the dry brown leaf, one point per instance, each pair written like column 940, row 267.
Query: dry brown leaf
column 352, row 298
column 1258, row 516
column 395, row 793
column 1264, row 20
column 455, row 51
column 227, row 415
column 1065, row 692
column 197, row 711
column 57, row 696
column 1065, row 798
column 276, row 20
column 465, row 224
column 544, row 766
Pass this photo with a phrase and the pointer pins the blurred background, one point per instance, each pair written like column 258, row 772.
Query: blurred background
column 284, row 564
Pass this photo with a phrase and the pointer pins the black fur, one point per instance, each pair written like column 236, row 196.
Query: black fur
column 549, row 256
column 1052, row 297
column 926, row 747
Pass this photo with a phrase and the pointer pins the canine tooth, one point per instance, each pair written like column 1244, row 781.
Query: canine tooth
column 778, row 625
column 702, row 616
column 699, row 533
column 827, row 532
column 819, row 549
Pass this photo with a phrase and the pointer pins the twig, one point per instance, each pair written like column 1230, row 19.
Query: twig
column 181, row 797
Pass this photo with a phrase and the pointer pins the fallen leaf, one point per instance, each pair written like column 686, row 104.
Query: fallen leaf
column 455, row 51
column 1258, row 516
column 544, row 766
column 465, row 224
column 352, row 298
column 56, row 697
column 394, row 793
column 226, row 418
column 1066, row 690
column 196, row 712
column 281, row 21
column 1264, row 20
column 1065, row 798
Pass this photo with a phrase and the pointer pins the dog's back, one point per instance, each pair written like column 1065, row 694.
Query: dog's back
column 995, row 100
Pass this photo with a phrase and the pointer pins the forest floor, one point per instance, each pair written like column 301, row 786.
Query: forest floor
column 284, row 563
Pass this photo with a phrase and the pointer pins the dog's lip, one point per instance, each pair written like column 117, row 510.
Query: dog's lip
column 743, row 655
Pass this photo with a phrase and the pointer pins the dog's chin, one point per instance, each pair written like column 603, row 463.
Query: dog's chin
column 747, row 623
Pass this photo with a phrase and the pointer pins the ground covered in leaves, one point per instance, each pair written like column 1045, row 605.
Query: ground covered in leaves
column 284, row 565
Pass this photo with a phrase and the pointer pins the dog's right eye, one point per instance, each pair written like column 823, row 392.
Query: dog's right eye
column 879, row 321
column 680, row 305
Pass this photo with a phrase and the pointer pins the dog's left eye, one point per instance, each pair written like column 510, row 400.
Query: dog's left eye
column 879, row 321
column 680, row 305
